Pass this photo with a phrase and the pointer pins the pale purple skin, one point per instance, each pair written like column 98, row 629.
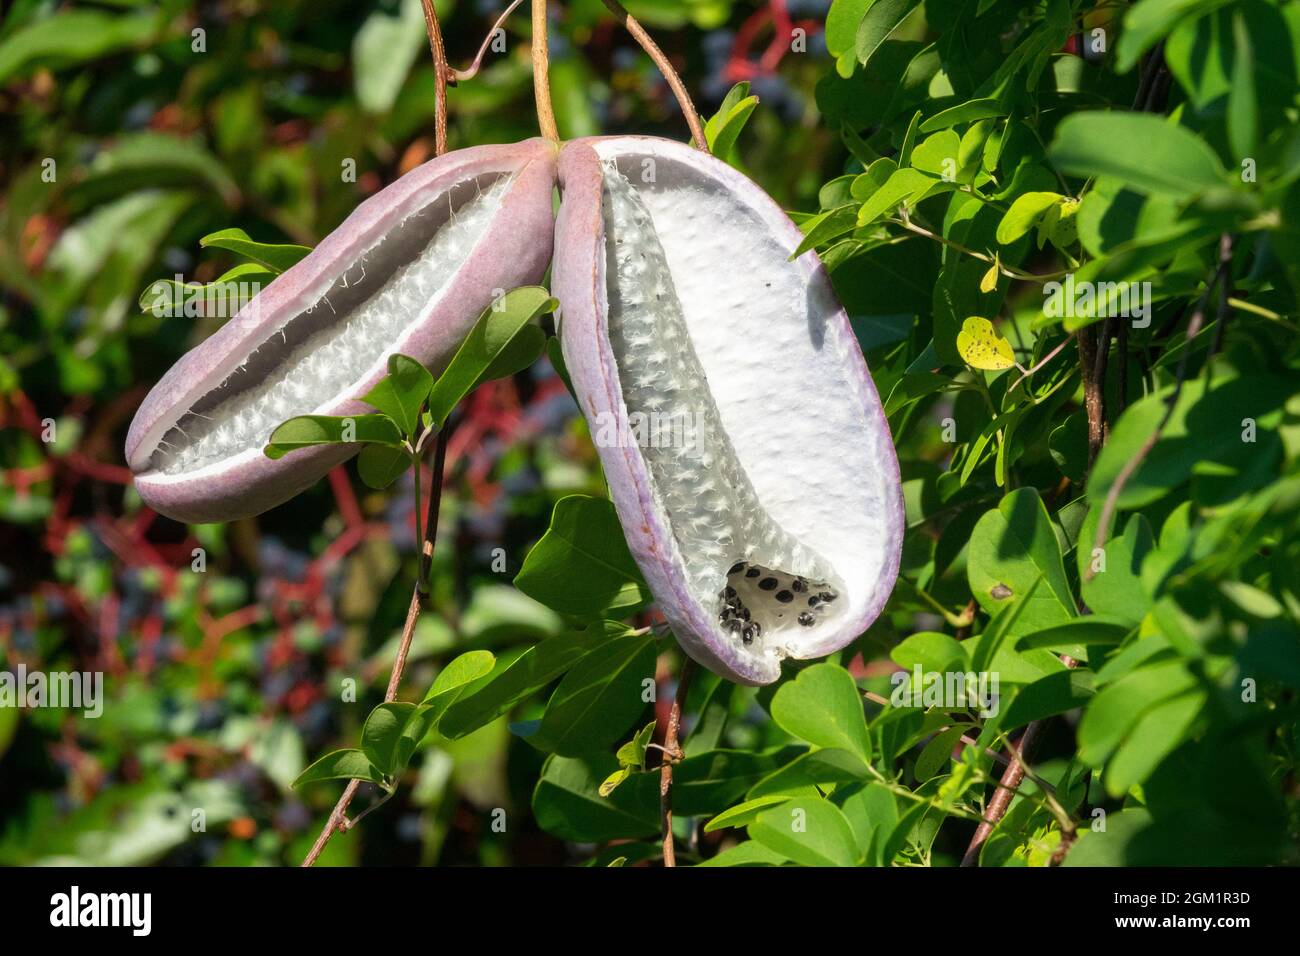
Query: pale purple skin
column 514, row 251
column 578, row 281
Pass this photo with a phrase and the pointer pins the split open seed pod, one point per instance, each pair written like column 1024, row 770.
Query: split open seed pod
column 409, row 271
column 744, row 444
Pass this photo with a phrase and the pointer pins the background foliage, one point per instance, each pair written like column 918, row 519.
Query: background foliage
column 948, row 158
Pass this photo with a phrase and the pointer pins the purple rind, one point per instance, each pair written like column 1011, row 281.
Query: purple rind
column 578, row 282
column 514, row 251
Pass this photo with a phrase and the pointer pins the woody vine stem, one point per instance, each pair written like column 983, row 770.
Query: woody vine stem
column 338, row 821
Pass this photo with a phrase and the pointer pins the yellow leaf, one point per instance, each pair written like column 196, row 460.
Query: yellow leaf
column 990, row 280
column 981, row 346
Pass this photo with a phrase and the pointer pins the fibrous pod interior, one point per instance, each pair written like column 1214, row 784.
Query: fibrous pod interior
column 409, row 271
column 743, row 440
column 334, row 343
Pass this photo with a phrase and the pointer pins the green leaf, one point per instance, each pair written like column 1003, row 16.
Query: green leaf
column 824, row 707
column 277, row 258
column 309, row 430
column 808, row 830
column 1155, row 736
column 872, row 812
column 1119, row 706
column 810, row 772
column 842, row 25
column 222, row 297
column 1010, row 548
column 748, row 853
column 930, row 650
column 1092, row 629
column 499, row 324
column 462, row 670
column 530, row 672
column 724, row 128
column 1048, row 696
column 1172, row 160
column 401, row 393
column 744, row 813
column 71, row 37
column 598, row 698
column 827, row 226
column 632, row 753
column 582, row 565
column 520, row 353
column 1148, row 22
column 903, row 186
column 382, row 732
column 937, row 752
column 969, row 112
column 380, row 465
column 383, row 51
column 567, row 802
column 1116, row 589
column 1206, row 427
column 938, row 154
column 340, row 765
column 1243, row 106
column 881, row 20
column 1024, row 214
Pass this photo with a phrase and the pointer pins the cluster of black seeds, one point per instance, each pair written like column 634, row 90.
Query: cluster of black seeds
column 756, row 599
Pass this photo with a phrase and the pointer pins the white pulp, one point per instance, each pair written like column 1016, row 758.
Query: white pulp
column 716, row 517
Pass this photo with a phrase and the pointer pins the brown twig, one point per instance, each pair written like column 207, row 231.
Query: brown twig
column 672, row 752
column 674, row 81
column 1131, row 466
column 1007, row 787
column 338, row 820
column 1093, row 399
column 542, row 74
column 441, row 74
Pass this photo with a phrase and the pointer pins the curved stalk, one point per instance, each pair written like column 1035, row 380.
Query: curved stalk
column 471, row 71
column 541, row 74
column 674, row 81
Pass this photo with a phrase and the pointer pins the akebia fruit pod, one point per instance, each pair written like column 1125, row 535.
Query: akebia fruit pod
column 745, row 447
column 410, row 271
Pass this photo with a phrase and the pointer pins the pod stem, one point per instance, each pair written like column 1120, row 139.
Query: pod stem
column 672, row 753
column 666, row 68
column 441, row 73
column 338, row 821
column 541, row 74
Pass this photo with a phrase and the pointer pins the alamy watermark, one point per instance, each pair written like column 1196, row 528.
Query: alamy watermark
column 623, row 429
column 72, row 690
column 946, row 690
column 172, row 298
column 1103, row 300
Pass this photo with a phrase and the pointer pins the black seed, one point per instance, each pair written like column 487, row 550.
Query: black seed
column 785, row 597
column 806, row 619
column 800, row 585
column 733, row 625
column 744, row 613
column 729, row 592
column 758, row 628
column 828, row 596
column 753, row 573
column 812, row 601
column 767, row 584
column 738, row 566
column 748, row 634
